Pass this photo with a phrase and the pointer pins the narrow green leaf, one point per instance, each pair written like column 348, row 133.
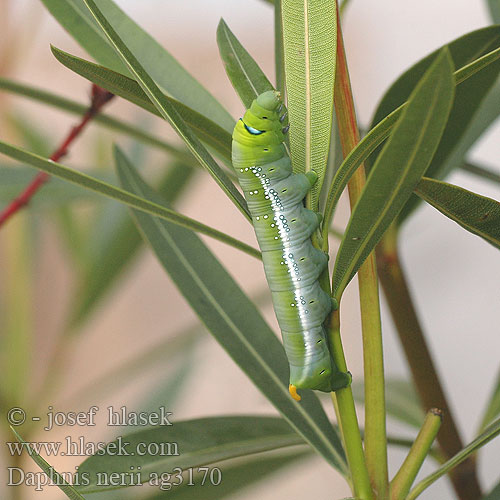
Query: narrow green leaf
column 376, row 136
column 494, row 494
column 467, row 109
column 490, row 433
column 310, row 41
column 52, row 474
column 168, row 111
column 402, row 401
column 118, row 243
column 494, row 6
column 157, row 61
column 198, row 442
column 54, row 194
column 493, row 408
column 76, row 108
column 477, row 214
column 207, row 130
column 17, row 321
column 399, row 167
column 98, row 186
column 245, row 75
column 235, row 478
column 234, row 321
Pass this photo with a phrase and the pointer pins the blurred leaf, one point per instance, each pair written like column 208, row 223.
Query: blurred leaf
column 494, row 6
column 494, row 494
column 235, row 478
column 118, row 243
column 168, row 111
column 54, row 193
column 279, row 53
column 17, row 321
column 402, row 162
column 490, row 433
column 245, row 75
column 483, row 172
column 382, row 130
column 192, row 443
column 343, row 6
column 466, row 107
column 158, row 63
column 33, row 138
column 88, row 182
column 310, row 42
column 234, row 321
column 207, row 130
column 75, row 108
column 477, row 214
column 493, row 409
column 402, row 402
column 52, row 474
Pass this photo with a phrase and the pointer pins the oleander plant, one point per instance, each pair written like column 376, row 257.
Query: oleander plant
column 293, row 157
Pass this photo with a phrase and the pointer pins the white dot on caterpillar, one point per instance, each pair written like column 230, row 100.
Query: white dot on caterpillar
column 276, row 238
column 246, row 169
column 266, row 216
column 241, row 170
column 292, row 304
column 257, row 218
column 273, row 225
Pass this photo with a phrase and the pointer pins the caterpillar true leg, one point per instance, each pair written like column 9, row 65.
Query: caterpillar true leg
column 284, row 227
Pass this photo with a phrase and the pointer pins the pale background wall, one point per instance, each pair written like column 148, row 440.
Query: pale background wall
column 455, row 276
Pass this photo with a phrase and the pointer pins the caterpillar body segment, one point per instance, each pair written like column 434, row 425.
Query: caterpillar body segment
column 283, row 227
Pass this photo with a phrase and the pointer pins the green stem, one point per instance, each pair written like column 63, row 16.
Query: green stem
column 348, row 421
column 375, row 415
column 423, row 370
column 402, row 481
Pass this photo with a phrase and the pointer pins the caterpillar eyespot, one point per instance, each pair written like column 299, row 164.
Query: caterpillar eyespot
column 291, row 263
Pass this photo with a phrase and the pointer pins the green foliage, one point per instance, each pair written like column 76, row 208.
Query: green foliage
column 245, row 75
column 491, row 432
column 208, row 131
column 236, row 477
column 74, row 16
column 398, row 169
column 118, row 194
column 52, row 474
column 237, row 325
column 310, row 41
column 201, row 441
column 467, row 105
column 76, row 108
column 118, row 244
column 478, row 214
column 429, row 119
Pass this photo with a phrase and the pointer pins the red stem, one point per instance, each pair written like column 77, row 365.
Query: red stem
column 99, row 98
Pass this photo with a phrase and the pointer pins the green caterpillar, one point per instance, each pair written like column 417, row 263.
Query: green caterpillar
column 284, row 227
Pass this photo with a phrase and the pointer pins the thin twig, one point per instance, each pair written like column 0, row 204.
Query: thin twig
column 99, row 98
